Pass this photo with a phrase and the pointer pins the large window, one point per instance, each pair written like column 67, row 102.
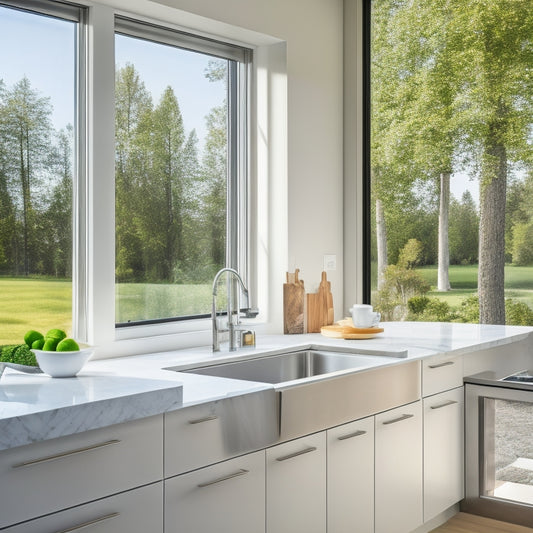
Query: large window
column 40, row 42
column 179, row 172
column 451, row 179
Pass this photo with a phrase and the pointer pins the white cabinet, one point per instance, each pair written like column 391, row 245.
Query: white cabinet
column 135, row 511
column 52, row 475
column 296, row 486
column 350, row 477
column 398, row 469
column 443, row 451
column 227, row 497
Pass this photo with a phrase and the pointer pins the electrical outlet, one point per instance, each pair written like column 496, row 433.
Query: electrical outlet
column 330, row 262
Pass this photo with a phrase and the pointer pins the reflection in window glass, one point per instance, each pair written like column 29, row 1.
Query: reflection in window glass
column 37, row 114
column 171, row 179
column 451, row 207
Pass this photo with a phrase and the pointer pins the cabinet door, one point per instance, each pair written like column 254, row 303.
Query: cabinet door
column 443, row 451
column 135, row 511
column 228, row 497
column 296, row 486
column 350, row 486
column 398, row 505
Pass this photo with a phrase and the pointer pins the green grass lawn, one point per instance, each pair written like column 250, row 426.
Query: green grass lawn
column 42, row 304
column 39, row 304
column 463, row 279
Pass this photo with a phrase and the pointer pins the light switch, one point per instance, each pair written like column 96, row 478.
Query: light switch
column 330, row 262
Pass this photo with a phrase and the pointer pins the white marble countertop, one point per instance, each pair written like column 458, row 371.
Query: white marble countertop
column 108, row 391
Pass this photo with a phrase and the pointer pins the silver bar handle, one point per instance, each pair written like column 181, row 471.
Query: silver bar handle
column 241, row 472
column 439, row 365
column 445, row 404
column 296, row 454
column 399, row 419
column 351, row 435
column 204, row 419
column 90, row 523
column 66, row 454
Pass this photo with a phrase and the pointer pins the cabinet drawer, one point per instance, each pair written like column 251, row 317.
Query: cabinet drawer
column 52, row 475
column 440, row 374
column 135, row 511
column 212, row 432
column 228, row 497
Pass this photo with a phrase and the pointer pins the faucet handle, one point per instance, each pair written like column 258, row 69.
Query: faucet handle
column 249, row 312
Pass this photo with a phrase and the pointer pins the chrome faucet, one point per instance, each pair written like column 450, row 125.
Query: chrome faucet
column 233, row 310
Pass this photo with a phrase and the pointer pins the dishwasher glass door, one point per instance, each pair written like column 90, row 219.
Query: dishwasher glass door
column 499, row 453
column 508, row 450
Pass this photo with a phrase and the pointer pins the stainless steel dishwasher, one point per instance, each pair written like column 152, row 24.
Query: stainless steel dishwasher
column 499, row 446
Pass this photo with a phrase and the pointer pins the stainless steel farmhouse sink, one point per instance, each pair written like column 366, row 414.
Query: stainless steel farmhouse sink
column 287, row 367
column 320, row 389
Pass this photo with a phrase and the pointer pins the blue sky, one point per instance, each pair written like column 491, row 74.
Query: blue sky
column 42, row 48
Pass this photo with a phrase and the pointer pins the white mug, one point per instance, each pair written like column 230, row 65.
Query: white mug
column 363, row 316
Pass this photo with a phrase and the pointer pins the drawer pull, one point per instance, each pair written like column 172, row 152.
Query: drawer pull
column 351, row 435
column 399, row 419
column 66, row 454
column 441, row 405
column 241, row 472
column 439, row 365
column 296, row 454
column 204, row 419
column 90, row 523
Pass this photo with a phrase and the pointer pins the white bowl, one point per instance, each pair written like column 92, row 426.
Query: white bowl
column 62, row 364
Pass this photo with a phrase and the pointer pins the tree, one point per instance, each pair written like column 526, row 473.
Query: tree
column 214, row 172
column 167, row 181
column 464, row 231
column 57, row 231
column 26, row 130
column 133, row 108
column 493, row 43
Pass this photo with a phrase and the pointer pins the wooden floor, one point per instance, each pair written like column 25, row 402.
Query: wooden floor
column 469, row 523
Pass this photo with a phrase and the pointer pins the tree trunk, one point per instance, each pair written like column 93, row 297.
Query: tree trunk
column 493, row 192
column 443, row 283
column 381, row 239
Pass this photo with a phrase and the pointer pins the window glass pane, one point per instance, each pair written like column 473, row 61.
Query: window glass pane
column 171, row 179
column 451, row 206
column 37, row 114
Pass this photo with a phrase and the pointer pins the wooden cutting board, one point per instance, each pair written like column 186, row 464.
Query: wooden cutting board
column 320, row 307
column 293, row 304
column 348, row 332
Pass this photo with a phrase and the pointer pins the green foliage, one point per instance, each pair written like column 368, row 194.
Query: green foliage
column 411, row 254
column 430, row 310
column 400, row 285
column 523, row 244
column 170, row 206
column 469, row 310
column 518, row 313
column 17, row 353
column 463, row 235
column 417, row 304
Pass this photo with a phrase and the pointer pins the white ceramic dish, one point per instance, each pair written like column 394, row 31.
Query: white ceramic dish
column 62, row 364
